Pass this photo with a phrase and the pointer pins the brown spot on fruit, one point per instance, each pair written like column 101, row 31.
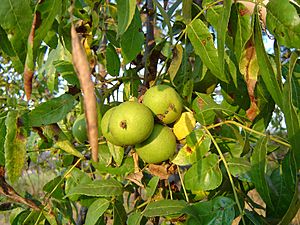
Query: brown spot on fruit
column 123, row 124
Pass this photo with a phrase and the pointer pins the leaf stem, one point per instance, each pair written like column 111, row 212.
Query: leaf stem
column 183, row 186
column 228, row 173
column 249, row 130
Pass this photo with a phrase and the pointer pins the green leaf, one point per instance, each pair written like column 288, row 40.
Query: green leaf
column 241, row 28
column 240, row 168
column 132, row 40
column 66, row 70
column 117, row 153
column 76, row 177
column 2, row 138
column 265, row 66
column 119, row 213
column 284, row 26
column 204, row 175
column 151, row 186
column 221, row 32
column 96, row 210
column 202, row 41
column 135, row 218
column 58, row 193
column 164, row 207
column 104, row 155
column 98, row 188
column 167, row 18
column 126, row 11
column 203, row 106
column 258, row 168
column 218, row 211
column 112, row 60
column 50, row 218
column 8, row 49
column 48, row 10
column 187, row 10
column 198, row 144
column 176, row 61
column 16, row 18
column 14, row 146
column 125, row 168
column 51, row 111
column 132, row 83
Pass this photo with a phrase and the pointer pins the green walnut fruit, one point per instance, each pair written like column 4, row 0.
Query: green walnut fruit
column 164, row 102
column 105, row 127
column 79, row 130
column 160, row 146
column 131, row 123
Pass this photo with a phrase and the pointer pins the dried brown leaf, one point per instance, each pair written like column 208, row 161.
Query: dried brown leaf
column 82, row 69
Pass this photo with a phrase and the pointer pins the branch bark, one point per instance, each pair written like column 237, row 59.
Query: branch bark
column 151, row 69
column 9, row 192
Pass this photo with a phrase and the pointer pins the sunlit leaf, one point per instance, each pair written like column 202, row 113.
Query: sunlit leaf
column 164, row 207
column 51, row 111
column 284, row 26
column 125, row 168
column 14, row 146
column 2, row 138
column 202, row 41
column 133, row 39
column 98, row 188
column 176, row 61
column 126, row 10
column 151, row 186
column 16, row 18
column 96, row 210
column 117, row 153
column 204, row 174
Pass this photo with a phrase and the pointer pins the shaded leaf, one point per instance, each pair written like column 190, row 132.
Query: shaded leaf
column 66, row 70
column 119, row 213
column 96, row 210
column 258, row 168
column 98, row 188
column 125, row 168
column 204, row 174
column 219, row 211
column 14, row 146
column 112, row 60
column 132, row 83
column 164, row 207
column 56, row 184
column 51, row 111
column 265, row 66
column 284, row 26
column 132, row 40
column 126, row 10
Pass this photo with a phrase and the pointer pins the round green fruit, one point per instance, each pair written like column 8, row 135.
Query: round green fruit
column 164, row 102
column 105, row 127
column 79, row 130
column 160, row 146
column 131, row 123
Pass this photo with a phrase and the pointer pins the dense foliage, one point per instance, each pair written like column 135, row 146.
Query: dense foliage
column 235, row 66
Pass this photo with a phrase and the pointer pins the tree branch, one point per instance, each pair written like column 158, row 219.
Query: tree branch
column 9, row 192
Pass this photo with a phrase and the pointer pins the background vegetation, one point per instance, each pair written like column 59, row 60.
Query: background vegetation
column 244, row 97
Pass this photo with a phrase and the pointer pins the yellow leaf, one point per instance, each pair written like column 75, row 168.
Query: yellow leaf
column 184, row 125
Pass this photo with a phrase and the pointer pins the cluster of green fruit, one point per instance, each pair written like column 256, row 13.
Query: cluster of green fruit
column 132, row 123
